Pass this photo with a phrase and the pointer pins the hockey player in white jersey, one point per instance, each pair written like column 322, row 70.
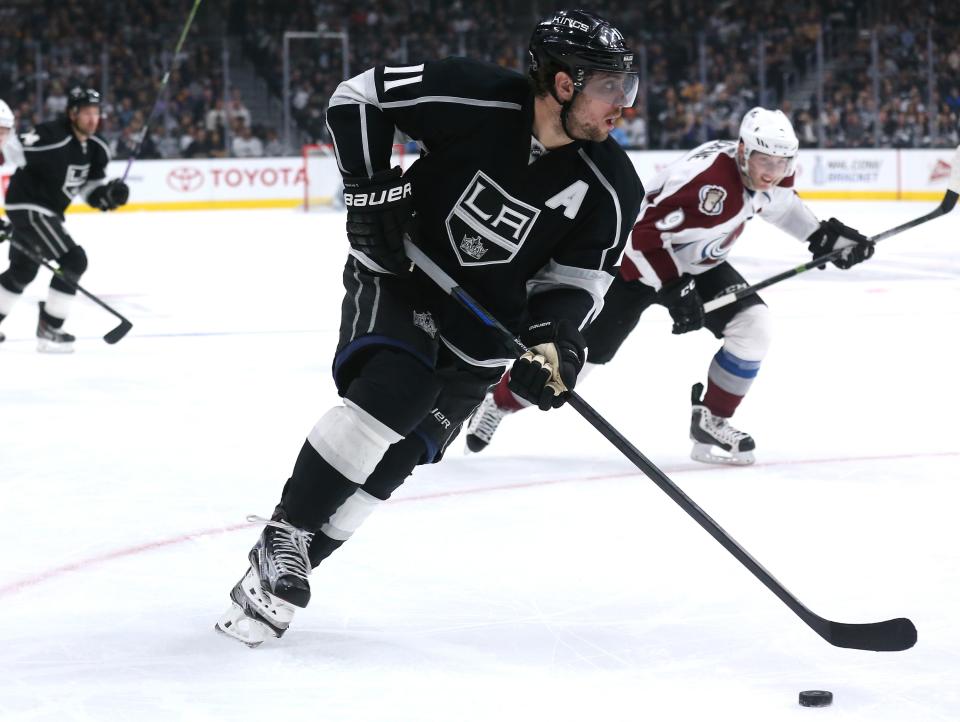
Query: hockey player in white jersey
column 7, row 122
column 677, row 257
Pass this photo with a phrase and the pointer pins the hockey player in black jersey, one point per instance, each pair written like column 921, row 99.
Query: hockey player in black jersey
column 62, row 159
column 519, row 195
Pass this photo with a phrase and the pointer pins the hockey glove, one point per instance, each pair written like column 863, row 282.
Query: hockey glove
column 548, row 370
column 833, row 235
column 110, row 196
column 684, row 304
column 377, row 210
column 5, row 229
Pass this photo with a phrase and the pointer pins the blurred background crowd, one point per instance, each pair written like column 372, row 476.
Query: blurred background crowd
column 255, row 76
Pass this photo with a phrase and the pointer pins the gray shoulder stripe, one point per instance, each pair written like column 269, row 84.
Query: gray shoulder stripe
column 103, row 145
column 452, row 99
column 616, row 203
column 36, row 148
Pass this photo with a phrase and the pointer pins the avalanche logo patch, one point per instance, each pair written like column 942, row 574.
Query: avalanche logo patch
column 487, row 225
column 711, row 200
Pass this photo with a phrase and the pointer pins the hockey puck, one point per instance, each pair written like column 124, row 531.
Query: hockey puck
column 816, row 698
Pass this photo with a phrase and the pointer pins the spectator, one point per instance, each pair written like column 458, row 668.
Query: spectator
column 56, row 103
column 273, row 147
column 216, row 117
column 236, row 110
column 246, row 144
column 167, row 145
column 200, row 145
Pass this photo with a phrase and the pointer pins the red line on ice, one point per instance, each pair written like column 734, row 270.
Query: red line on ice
column 21, row 584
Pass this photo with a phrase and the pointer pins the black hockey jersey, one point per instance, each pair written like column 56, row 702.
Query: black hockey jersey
column 530, row 240
column 57, row 167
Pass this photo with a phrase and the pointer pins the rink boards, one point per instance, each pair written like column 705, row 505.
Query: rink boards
column 220, row 183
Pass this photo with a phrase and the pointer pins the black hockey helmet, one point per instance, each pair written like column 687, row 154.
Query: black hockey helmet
column 579, row 42
column 80, row 97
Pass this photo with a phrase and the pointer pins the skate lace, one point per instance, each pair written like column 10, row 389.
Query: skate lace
column 290, row 547
column 485, row 422
column 718, row 427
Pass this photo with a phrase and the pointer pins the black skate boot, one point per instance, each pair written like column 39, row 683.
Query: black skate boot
column 711, row 433
column 51, row 339
column 265, row 599
column 483, row 424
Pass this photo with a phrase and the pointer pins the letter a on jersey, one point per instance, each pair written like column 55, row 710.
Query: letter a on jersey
column 570, row 198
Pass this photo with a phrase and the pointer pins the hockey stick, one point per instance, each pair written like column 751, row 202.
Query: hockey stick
column 946, row 205
column 111, row 336
column 163, row 85
column 889, row 636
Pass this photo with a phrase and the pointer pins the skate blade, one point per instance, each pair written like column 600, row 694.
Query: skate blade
column 45, row 346
column 235, row 624
column 708, row 454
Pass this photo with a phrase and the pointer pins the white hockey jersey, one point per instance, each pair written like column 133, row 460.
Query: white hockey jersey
column 696, row 209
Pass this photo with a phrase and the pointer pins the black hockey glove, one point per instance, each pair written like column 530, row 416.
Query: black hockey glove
column 110, row 196
column 377, row 210
column 545, row 373
column 833, row 235
column 684, row 304
column 5, row 229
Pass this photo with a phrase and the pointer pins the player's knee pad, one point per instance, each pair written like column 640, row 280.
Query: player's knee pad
column 351, row 440
column 21, row 273
column 394, row 388
column 73, row 262
column 748, row 334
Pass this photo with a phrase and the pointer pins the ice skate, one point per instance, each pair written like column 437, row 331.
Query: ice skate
column 50, row 339
column 483, row 424
column 264, row 600
column 715, row 441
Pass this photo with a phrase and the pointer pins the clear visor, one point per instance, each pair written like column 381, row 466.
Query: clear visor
column 770, row 165
column 613, row 88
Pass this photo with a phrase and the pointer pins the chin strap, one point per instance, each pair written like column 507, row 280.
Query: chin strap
column 565, row 112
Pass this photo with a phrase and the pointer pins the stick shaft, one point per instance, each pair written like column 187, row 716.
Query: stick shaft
column 946, row 205
column 163, row 86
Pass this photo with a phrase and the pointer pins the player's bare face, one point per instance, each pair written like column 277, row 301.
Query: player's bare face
column 4, row 134
column 592, row 119
column 765, row 171
column 86, row 119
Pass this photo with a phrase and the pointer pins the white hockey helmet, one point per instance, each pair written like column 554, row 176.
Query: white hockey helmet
column 770, row 132
column 6, row 116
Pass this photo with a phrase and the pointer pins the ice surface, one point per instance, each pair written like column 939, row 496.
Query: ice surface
column 545, row 579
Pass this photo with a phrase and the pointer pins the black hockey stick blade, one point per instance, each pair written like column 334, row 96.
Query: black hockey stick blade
column 119, row 332
column 893, row 635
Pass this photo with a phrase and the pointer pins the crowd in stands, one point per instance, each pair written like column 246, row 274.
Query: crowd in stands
column 701, row 65
column 123, row 48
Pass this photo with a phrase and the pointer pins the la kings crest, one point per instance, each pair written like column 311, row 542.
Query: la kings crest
column 487, row 225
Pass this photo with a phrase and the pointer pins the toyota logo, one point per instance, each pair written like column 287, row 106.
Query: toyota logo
column 184, row 179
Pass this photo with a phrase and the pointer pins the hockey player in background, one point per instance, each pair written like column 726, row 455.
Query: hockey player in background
column 677, row 257
column 521, row 196
column 61, row 159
